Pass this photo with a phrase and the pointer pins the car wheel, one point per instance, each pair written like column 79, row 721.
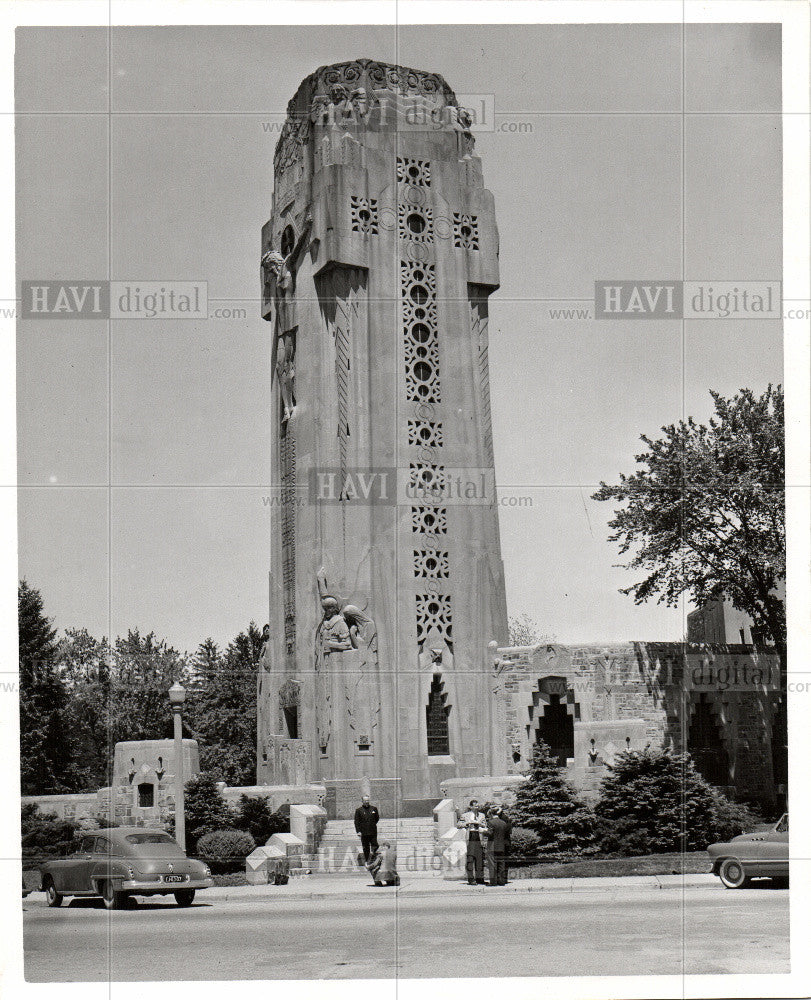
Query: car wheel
column 184, row 897
column 732, row 874
column 113, row 899
column 53, row 897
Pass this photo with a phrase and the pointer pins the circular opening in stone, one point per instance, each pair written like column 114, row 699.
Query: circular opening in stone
column 421, row 352
column 421, row 333
column 429, row 520
column 419, row 294
column 466, row 231
column 433, row 608
column 364, row 215
column 430, row 563
column 415, row 223
column 413, row 170
column 425, row 433
column 418, row 275
column 419, row 313
column 422, row 371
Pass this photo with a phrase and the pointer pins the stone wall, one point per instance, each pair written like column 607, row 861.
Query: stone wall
column 599, row 700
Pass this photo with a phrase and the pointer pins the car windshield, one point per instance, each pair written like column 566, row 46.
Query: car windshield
column 151, row 838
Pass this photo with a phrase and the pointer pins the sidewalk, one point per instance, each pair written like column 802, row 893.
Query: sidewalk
column 348, row 886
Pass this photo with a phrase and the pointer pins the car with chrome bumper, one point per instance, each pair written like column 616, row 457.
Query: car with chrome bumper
column 763, row 853
column 122, row 862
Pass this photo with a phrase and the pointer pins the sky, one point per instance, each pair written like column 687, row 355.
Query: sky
column 143, row 460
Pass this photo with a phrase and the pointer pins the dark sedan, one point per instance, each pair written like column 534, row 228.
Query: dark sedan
column 762, row 853
column 122, row 862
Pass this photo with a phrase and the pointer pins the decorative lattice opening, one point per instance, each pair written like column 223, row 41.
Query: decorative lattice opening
column 425, row 434
column 415, row 223
column 418, row 298
column 364, row 215
column 411, row 171
column 426, row 481
column 429, row 520
column 431, row 564
column 465, row 231
column 434, row 612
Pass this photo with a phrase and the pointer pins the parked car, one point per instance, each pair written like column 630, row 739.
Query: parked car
column 125, row 861
column 764, row 852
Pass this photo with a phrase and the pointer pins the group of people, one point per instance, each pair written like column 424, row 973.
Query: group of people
column 488, row 836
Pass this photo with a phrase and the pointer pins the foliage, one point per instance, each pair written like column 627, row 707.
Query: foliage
column 205, row 808
column 143, row 670
column 546, row 804
column 225, row 850
column 654, row 801
column 525, row 631
column 44, row 835
column 732, row 818
column 525, row 845
column 705, row 513
column 222, row 709
column 84, row 666
column 81, row 695
column 255, row 816
column 46, row 750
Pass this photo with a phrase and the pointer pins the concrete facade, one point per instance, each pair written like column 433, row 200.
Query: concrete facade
column 387, row 582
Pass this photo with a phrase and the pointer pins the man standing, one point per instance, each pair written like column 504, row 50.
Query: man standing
column 498, row 829
column 366, row 820
column 475, row 822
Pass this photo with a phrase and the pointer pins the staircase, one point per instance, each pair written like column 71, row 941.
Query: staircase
column 340, row 846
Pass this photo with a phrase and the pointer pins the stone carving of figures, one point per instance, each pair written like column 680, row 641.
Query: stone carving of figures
column 339, row 98
column 358, row 101
column 286, row 373
column 333, row 632
column 320, row 104
column 464, row 118
column 279, row 271
column 362, row 631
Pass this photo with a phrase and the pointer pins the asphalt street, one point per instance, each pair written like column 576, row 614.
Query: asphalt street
column 619, row 932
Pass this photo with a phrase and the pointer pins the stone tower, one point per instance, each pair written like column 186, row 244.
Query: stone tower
column 387, row 583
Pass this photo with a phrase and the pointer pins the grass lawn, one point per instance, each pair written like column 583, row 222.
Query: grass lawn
column 692, row 863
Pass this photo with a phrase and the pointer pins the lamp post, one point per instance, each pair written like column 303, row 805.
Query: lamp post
column 177, row 695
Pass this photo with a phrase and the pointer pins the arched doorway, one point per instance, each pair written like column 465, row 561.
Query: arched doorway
column 706, row 745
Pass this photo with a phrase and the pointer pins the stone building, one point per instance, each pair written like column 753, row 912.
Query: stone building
column 382, row 670
column 387, row 584
column 589, row 703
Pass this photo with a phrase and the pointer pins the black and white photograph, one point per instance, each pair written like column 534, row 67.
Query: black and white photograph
column 407, row 497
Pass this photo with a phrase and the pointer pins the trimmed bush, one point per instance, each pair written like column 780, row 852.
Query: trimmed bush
column 655, row 802
column 547, row 804
column 44, row 835
column 254, row 816
column 225, row 850
column 525, row 846
column 206, row 809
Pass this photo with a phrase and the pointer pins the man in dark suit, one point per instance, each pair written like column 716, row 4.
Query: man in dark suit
column 498, row 829
column 366, row 820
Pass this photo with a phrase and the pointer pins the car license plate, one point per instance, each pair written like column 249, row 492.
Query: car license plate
column 172, row 878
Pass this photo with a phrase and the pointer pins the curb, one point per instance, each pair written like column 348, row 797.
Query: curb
column 447, row 890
